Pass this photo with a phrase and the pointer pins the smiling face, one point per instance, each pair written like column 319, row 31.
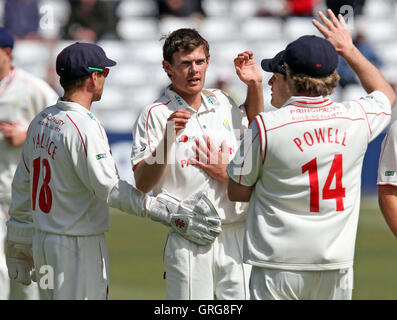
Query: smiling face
column 187, row 72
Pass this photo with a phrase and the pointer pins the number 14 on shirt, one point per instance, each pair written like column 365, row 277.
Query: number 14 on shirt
column 338, row 193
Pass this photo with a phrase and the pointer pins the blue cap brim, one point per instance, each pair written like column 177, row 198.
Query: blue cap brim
column 110, row 63
column 266, row 65
column 275, row 64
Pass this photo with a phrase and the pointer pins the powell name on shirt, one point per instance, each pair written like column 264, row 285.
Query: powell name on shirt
column 320, row 136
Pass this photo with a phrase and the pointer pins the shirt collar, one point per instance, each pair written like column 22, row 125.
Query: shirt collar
column 8, row 78
column 309, row 102
column 209, row 100
column 69, row 105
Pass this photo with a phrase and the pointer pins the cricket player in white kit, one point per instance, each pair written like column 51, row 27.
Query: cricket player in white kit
column 305, row 177
column 64, row 184
column 22, row 96
column 208, row 125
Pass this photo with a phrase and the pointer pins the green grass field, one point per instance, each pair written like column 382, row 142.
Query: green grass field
column 136, row 257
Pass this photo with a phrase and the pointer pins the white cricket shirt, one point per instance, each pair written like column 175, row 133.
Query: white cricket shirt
column 387, row 169
column 22, row 96
column 219, row 118
column 306, row 171
column 67, row 177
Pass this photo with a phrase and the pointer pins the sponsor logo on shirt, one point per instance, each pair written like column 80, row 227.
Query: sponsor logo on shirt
column 179, row 100
column 184, row 138
column 389, row 173
column 185, row 163
column 15, row 104
column 209, row 100
column 91, row 115
column 101, row 156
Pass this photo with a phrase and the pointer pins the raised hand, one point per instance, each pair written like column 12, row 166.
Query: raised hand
column 335, row 31
column 247, row 69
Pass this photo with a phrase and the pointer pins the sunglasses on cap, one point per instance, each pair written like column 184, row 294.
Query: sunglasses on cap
column 105, row 71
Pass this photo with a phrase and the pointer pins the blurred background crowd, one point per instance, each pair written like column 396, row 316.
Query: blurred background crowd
column 130, row 32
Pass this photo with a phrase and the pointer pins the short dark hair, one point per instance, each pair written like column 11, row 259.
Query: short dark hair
column 183, row 39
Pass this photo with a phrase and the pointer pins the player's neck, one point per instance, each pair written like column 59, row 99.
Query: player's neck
column 192, row 100
column 305, row 94
column 78, row 97
column 4, row 72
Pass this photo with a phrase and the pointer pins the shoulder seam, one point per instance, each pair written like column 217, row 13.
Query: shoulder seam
column 147, row 120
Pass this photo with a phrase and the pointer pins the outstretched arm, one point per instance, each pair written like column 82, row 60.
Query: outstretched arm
column 248, row 71
column 238, row 192
column 336, row 32
column 387, row 196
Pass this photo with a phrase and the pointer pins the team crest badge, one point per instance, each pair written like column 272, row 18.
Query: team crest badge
column 226, row 125
column 15, row 104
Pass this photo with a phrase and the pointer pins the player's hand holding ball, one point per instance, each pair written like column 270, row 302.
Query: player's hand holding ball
column 195, row 218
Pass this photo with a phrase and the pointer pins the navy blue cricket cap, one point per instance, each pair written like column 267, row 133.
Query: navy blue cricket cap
column 274, row 65
column 312, row 56
column 308, row 55
column 6, row 39
column 73, row 61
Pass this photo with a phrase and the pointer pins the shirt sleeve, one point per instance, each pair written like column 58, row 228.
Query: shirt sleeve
column 42, row 96
column 148, row 131
column 21, row 207
column 239, row 114
column 97, row 170
column 387, row 169
column 377, row 109
column 245, row 168
column 20, row 226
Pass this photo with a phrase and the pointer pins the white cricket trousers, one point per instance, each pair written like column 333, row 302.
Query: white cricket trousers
column 211, row 272
column 275, row 284
column 71, row 267
column 11, row 289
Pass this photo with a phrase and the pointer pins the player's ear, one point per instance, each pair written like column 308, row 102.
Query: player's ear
column 94, row 76
column 167, row 67
column 92, row 80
